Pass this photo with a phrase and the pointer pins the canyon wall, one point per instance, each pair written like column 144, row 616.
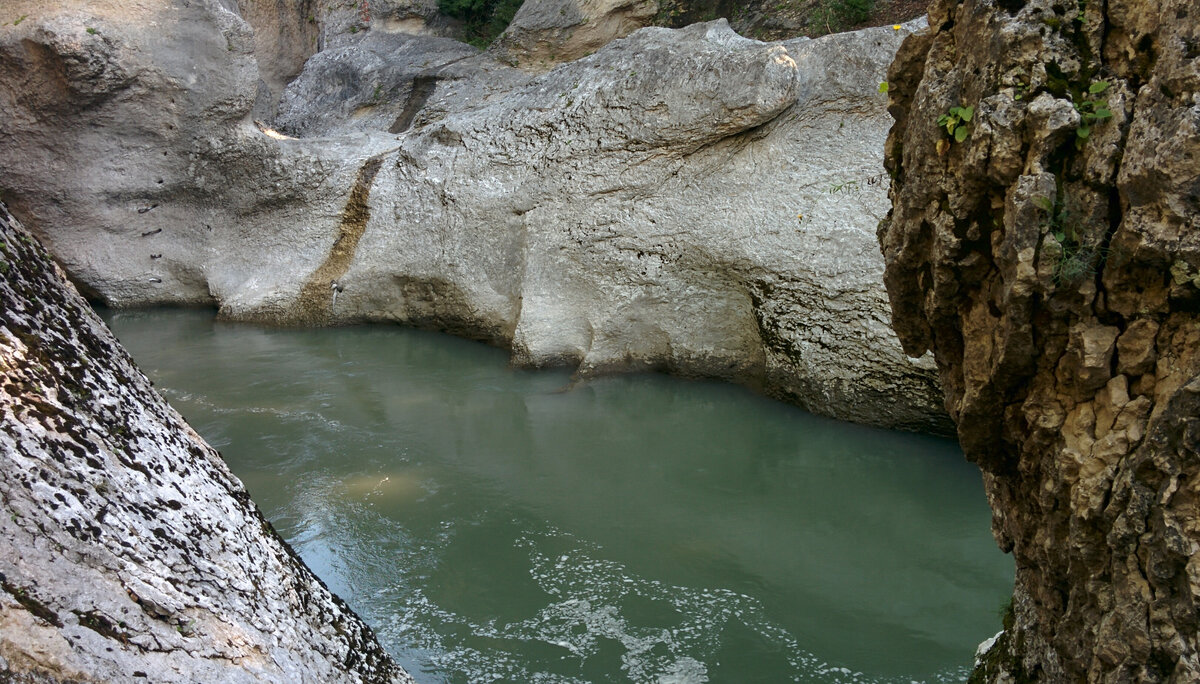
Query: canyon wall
column 129, row 550
column 683, row 200
column 1044, row 242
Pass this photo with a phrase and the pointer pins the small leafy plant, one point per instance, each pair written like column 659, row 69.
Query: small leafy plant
column 1092, row 110
column 955, row 122
column 1076, row 259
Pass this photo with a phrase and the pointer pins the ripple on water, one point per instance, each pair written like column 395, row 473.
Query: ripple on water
column 637, row 529
column 586, row 620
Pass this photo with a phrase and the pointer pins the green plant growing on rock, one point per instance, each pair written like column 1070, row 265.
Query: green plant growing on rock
column 483, row 19
column 1092, row 110
column 955, row 122
column 1076, row 260
column 1182, row 273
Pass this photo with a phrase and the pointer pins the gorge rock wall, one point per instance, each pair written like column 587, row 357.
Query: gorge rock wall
column 682, row 200
column 129, row 550
column 1049, row 256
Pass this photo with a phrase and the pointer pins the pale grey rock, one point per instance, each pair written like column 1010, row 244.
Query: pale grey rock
column 130, row 551
column 691, row 200
column 288, row 32
column 377, row 84
column 345, row 22
column 544, row 33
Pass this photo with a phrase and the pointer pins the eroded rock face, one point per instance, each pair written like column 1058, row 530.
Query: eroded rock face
column 547, row 32
column 1049, row 259
column 129, row 548
column 688, row 200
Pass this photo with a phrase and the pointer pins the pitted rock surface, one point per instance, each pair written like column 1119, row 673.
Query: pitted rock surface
column 1050, row 259
column 130, row 552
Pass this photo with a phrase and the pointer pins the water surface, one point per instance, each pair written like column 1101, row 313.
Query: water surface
column 492, row 525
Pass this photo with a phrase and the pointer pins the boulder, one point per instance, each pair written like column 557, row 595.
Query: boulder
column 130, row 551
column 685, row 200
column 547, row 32
column 1044, row 242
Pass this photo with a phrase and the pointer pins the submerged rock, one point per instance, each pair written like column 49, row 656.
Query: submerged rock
column 130, row 551
column 1048, row 254
column 686, row 200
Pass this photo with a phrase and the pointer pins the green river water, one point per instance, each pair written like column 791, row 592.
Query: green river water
column 494, row 526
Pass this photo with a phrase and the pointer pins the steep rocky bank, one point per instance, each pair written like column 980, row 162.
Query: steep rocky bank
column 1048, row 255
column 684, row 200
column 130, row 551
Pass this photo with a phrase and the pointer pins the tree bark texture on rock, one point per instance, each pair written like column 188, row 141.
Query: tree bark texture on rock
column 1049, row 255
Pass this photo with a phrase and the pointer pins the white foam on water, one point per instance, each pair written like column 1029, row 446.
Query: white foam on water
column 585, row 617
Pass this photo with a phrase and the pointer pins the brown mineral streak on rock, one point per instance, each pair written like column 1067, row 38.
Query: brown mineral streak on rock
column 317, row 296
column 1048, row 260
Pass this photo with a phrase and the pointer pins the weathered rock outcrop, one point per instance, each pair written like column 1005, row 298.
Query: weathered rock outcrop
column 547, row 32
column 688, row 200
column 129, row 549
column 1049, row 256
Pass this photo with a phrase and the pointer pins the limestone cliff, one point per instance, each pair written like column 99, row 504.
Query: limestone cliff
column 547, row 32
column 128, row 551
column 1044, row 242
column 686, row 200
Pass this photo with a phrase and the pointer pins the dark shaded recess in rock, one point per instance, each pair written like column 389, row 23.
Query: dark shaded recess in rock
column 422, row 88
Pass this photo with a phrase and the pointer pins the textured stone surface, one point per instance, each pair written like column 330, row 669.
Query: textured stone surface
column 285, row 36
column 130, row 551
column 1050, row 263
column 688, row 200
column 546, row 32
column 377, row 84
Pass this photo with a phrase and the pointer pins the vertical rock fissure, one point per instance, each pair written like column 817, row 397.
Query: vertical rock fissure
column 422, row 89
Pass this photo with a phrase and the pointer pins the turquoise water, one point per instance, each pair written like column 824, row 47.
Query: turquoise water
column 496, row 525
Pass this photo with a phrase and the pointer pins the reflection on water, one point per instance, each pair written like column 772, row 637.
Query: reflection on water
column 494, row 528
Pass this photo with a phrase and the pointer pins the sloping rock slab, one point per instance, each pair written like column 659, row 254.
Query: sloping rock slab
column 130, row 552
